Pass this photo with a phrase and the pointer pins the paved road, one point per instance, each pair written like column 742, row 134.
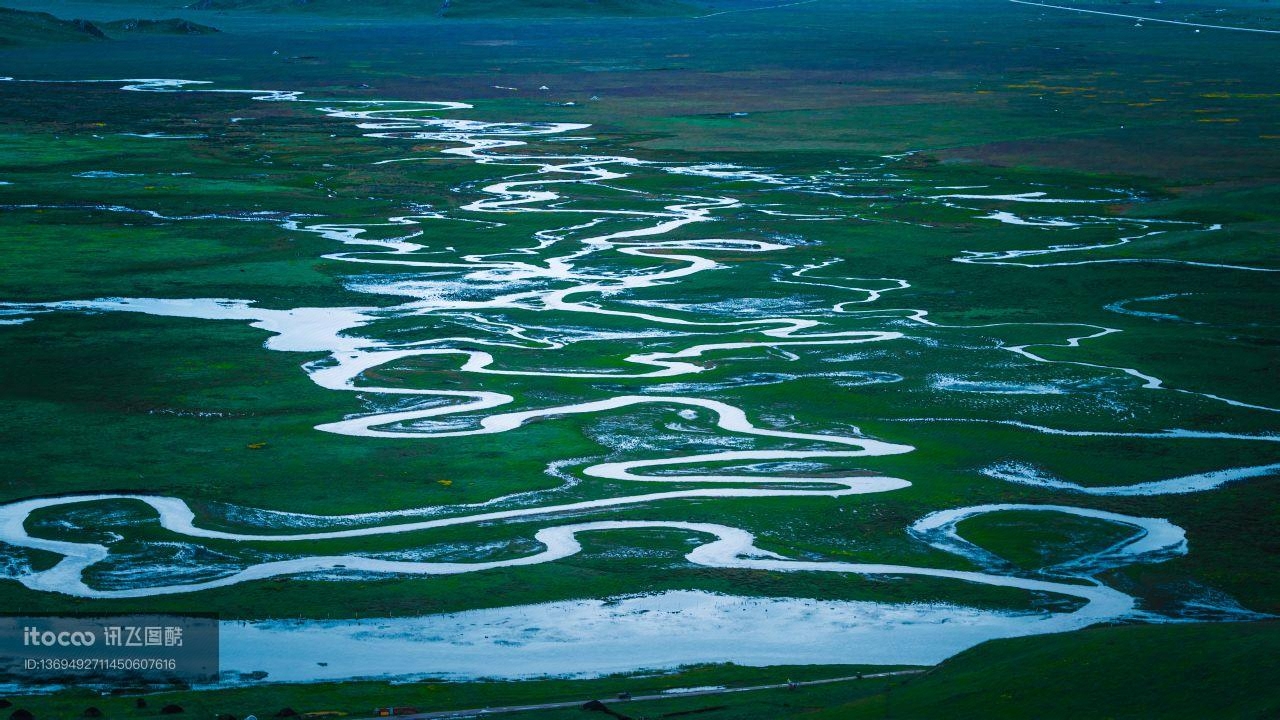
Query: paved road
column 771, row 7
column 480, row 712
column 1140, row 18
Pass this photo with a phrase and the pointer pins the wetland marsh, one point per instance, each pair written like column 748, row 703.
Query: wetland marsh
column 419, row 385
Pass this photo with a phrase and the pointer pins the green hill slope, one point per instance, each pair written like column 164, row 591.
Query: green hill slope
column 1197, row 671
column 169, row 26
column 461, row 8
column 20, row 27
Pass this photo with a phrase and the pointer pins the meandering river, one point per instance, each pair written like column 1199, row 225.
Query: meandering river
column 559, row 275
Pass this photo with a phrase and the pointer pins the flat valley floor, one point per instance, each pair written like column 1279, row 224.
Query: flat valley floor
column 516, row 361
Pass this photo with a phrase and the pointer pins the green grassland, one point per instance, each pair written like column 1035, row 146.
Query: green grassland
column 179, row 414
column 984, row 93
